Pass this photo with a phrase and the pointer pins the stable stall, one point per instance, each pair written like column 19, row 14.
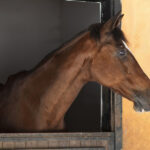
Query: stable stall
column 35, row 28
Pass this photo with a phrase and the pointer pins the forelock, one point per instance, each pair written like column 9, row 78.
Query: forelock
column 118, row 35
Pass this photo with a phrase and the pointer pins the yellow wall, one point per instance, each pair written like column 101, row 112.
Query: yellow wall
column 136, row 25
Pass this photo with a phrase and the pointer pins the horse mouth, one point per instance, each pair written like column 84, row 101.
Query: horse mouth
column 142, row 101
column 139, row 108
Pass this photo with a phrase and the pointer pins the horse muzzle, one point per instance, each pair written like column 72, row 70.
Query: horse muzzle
column 139, row 108
column 142, row 101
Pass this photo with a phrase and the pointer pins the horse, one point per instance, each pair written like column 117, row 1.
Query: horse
column 37, row 100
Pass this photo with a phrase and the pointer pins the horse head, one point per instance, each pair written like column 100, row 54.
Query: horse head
column 114, row 66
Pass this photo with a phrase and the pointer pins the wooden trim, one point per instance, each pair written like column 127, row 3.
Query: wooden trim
column 118, row 122
column 118, row 99
column 103, row 140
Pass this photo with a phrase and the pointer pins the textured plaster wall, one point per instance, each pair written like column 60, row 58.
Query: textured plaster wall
column 136, row 25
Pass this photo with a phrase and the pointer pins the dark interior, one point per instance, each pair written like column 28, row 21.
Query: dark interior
column 31, row 29
column 84, row 115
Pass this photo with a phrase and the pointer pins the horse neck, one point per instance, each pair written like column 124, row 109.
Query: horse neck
column 60, row 80
column 58, row 98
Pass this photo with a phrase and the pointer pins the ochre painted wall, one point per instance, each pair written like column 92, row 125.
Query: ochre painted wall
column 136, row 25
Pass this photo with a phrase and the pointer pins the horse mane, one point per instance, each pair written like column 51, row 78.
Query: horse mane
column 94, row 31
column 59, row 49
column 24, row 73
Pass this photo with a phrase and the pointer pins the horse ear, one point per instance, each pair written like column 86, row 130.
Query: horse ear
column 114, row 22
column 117, row 22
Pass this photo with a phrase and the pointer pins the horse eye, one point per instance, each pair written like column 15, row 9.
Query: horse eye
column 122, row 52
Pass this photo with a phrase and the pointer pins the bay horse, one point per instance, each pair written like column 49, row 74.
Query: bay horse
column 37, row 100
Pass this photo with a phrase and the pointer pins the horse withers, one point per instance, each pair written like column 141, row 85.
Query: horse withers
column 37, row 100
